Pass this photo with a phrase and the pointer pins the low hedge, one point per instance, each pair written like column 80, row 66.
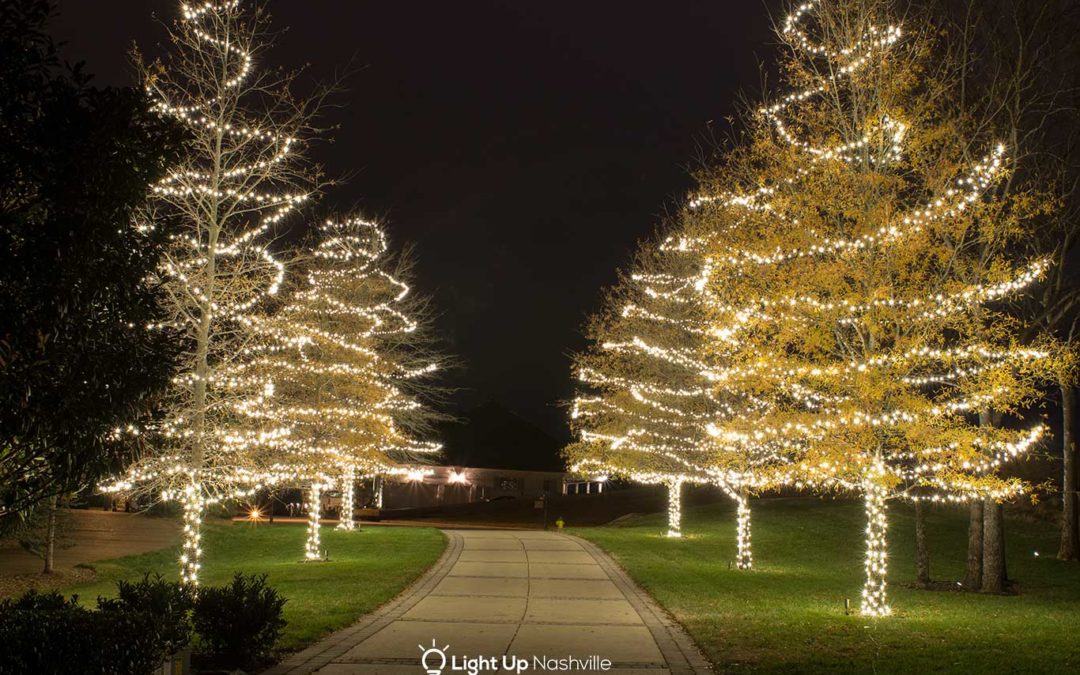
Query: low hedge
column 131, row 634
column 46, row 633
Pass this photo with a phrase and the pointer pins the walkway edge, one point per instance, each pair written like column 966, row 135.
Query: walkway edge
column 336, row 644
column 676, row 645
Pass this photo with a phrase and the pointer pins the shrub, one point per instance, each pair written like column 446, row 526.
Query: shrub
column 239, row 623
column 168, row 602
column 48, row 634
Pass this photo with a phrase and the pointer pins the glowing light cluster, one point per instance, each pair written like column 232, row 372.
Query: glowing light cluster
column 744, row 560
column 194, row 505
column 674, row 489
column 313, row 545
column 346, row 522
column 873, row 595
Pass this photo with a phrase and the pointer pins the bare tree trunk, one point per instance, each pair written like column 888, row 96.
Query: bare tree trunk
column 922, row 554
column 50, row 536
column 973, row 574
column 993, row 556
column 993, row 576
column 1070, row 530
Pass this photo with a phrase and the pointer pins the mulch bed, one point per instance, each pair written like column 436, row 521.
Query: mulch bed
column 14, row 585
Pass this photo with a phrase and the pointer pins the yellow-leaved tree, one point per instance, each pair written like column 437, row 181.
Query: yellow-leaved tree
column 857, row 279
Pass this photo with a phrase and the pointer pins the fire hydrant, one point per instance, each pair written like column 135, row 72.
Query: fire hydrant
column 559, row 522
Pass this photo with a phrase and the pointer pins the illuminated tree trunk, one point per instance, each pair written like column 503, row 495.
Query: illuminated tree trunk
column 873, row 597
column 311, row 548
column 674, row 509
column 922, row 553
column 1070, row 530
column 973, row 573
column 377, row 485
column 345, row 520
column 744, row 560
column 993, row 574
column 194, row 504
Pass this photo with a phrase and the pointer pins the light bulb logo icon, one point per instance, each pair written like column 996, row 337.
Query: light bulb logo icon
column 433, row 660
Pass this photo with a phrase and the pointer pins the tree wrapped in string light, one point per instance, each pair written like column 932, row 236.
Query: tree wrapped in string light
column 648, row 401
column 349, row 357
column 239, row 177
column 859, row 275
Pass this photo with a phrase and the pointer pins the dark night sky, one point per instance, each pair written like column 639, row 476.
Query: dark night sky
column 523, row 147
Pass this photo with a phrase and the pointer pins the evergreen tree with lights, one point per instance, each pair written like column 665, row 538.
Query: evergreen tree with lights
column 349, row 357
column 860, row 272
column 648, row 401
column 239, row 177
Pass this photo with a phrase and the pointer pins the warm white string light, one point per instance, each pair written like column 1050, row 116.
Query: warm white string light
column 674, row 490
column 346, row 521
column 313, row 546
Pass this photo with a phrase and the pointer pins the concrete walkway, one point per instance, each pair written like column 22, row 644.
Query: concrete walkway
column 519, row 593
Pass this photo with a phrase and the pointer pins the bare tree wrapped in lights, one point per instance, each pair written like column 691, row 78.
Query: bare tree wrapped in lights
column 349, row 356
column 240, row 177
column 650, row 400
column 861, row 276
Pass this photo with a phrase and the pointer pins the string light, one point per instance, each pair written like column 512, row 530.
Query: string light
column 873, row 595
column 346, row 522
column 674, row 489
column 744, row 560
column 313, row 547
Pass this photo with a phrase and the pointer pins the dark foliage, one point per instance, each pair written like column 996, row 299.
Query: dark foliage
column 48, row 634
column 76, row 359
column 239, row 623
column 170, row 604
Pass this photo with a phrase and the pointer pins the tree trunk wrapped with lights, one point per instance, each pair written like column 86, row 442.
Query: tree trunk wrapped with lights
column 346, row 521
column 239, row 177
column 857, row 275
column 675, row 490
column 313, row 546
column 349, row 358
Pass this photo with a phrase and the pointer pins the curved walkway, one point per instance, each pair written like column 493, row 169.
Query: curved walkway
column 518, row 593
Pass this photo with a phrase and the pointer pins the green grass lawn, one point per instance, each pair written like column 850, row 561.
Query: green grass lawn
column 787, row 615
column 366, row 568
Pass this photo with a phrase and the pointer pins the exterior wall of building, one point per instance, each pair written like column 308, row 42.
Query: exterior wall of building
column 460, row 485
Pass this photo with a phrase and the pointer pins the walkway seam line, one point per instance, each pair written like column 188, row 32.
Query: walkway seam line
column 678, row 649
